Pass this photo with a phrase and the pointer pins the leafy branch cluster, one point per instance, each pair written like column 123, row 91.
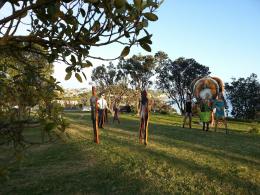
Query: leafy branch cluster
column 68, row 29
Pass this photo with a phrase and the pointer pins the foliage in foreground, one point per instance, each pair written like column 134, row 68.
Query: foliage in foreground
column 68, row 29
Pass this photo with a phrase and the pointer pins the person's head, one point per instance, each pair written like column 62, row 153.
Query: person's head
column 220, row 96
column 103, row 96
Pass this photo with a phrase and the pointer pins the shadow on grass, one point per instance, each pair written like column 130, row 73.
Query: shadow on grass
column 184, row 164
column 235, row 146
column 67, row 169
column 235, row 142
column 196, row 148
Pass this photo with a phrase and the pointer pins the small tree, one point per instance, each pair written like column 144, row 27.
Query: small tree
column 22, row 86
column 109, row 81
column 104, row 76
column 174, row 77
column 243, row 93
column 23, row 83
column 138, row 70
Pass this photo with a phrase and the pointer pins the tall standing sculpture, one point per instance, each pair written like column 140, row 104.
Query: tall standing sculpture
column 144, row 118
column 94, row 114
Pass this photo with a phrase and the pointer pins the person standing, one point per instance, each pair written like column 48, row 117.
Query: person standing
column 220, row 104
column 144, row 118
column 116, row 110
column 94, row 114
column 102, row 105
column 205, row 114
column 188, row 110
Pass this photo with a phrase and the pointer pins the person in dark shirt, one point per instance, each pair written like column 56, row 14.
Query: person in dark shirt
column 188, row 110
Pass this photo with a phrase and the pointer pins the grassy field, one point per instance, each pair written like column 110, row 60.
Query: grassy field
column 176, row 160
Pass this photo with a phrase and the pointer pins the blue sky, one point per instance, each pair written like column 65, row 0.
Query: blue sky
column 221, row 34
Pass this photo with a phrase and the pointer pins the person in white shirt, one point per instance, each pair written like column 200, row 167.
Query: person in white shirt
column 102, row 105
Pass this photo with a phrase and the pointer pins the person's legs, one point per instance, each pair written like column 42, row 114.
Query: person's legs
column 106, row 116
column 203, row 128
column 190, row 119
column 216, row 124
column 212, row 119
column 103, row 119
column 141, row 130
column 114, row 118
column 225, row 123
column 146, row 129
column 95, row 130
column 207, row 126
column 100, row 118
column 118, row 119
column 184, row 120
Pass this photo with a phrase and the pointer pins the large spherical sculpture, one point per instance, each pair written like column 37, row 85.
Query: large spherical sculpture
column 207, row 86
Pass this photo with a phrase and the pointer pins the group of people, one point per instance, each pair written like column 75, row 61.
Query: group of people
column 102, row 109
column 99, row 109
column 209, row 110
column 98, row 114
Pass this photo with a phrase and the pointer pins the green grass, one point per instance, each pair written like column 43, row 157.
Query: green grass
column 176, row 160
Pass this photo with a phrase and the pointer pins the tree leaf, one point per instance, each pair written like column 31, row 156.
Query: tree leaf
column 86, row 64
column 84, row 75
column 68, row 76
column 145, row 23
column 69, row 69
column 78, row 77
column 125, row 51
column 96, row 26
column 83, row 13
column 150, row 16
column 36, row 21
column 146, row 47
column 145, row 40
column 73, row 59
column 126, row 33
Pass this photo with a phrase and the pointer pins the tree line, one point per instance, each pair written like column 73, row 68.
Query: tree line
column 173, row 78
